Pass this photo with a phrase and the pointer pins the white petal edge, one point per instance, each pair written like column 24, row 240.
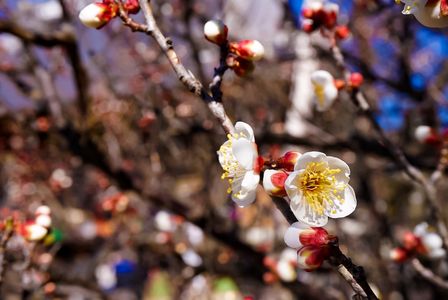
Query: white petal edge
column 246, row 129
column 305, row 214
column 250, row 181
column 306, row 158
column 247, row 200
column 348, row 206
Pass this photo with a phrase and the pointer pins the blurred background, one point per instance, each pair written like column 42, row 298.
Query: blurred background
column 95, row 124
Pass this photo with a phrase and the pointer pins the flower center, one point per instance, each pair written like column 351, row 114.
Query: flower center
column 320, row 187
column 228, row 162
column 319, row 92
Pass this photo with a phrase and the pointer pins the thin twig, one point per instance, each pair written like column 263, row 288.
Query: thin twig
column 429, row 275
column 216, row 107
column 397, row 153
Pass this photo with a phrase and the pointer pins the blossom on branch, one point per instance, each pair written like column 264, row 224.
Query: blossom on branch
column 311, row 244
column 422, row 241
column 430, row 13
column 238, row 157
column 318, row 188
column 96, row 15
column 325, row 90
column 216, row 31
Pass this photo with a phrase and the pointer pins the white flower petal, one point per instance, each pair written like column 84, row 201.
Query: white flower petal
column 250, row 181
column 286, row 271
column 306, row 158
column 321, row 77
column 347, row 207
column 432, row 241
column 244, row 152
column 437, row 253
column 246, row 130
column 292, row 235
column 421, row 229
column 246, row 199
column 305, row 214
column 292, row 189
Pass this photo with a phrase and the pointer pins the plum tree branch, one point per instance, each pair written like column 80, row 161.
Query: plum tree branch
column 214, row 102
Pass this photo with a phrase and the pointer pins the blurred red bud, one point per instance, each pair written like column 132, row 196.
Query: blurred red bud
column 356, row 79
column 251, row 50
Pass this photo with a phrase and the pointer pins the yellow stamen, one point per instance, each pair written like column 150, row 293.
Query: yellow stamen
column 319, row 92
column 320, row 187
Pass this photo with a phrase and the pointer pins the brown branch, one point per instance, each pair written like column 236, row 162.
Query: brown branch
column 7, row 234
column 359, row 99
column 63, row 37
column 429, row 275
column 214, row 103
column 353, row 274
column 184, row 75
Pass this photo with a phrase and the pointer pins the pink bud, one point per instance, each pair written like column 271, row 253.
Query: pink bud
column 356, row 79
column 300, row 234
column 342, row 32
column 216, row 32
column 398, row 255
column 96, row 15
column 311, row 258
column 274, row 182
column 288, row 160
column 131, row 6
column 251, row 50
column 410, row 241
column 426, row 135
column 240, row 66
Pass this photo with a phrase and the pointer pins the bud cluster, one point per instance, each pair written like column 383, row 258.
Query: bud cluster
column 241, row 55
column 97, row 15
column 428, row 135
column 422, row 241
column 323, row 16
column 38, row 228
column 312, row 244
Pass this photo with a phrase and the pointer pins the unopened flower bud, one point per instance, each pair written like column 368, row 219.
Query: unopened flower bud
column 131, row 6
column 342, row 32
column 242, row 67
column 288, row 160
column 425, row 134
column 311, row 258
column 356, row 79
column 216, row 32
column 96, row 15
column 410, row 241
column 398, row 255
column 299, row 234
column 274, row 182
column 251, row 50
column 33, row 232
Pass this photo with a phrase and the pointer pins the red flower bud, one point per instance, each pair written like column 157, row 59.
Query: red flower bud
column 342, row 32
column 399, row 255
column 288, row 160
column 251, row 50
column 216, row 31
column 356, row 79
column 131, row 6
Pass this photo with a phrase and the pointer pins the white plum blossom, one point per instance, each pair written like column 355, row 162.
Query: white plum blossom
column 428, row 13
column 431, row 241
column 238, row 157
column 318, row 188
column 325, row 91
